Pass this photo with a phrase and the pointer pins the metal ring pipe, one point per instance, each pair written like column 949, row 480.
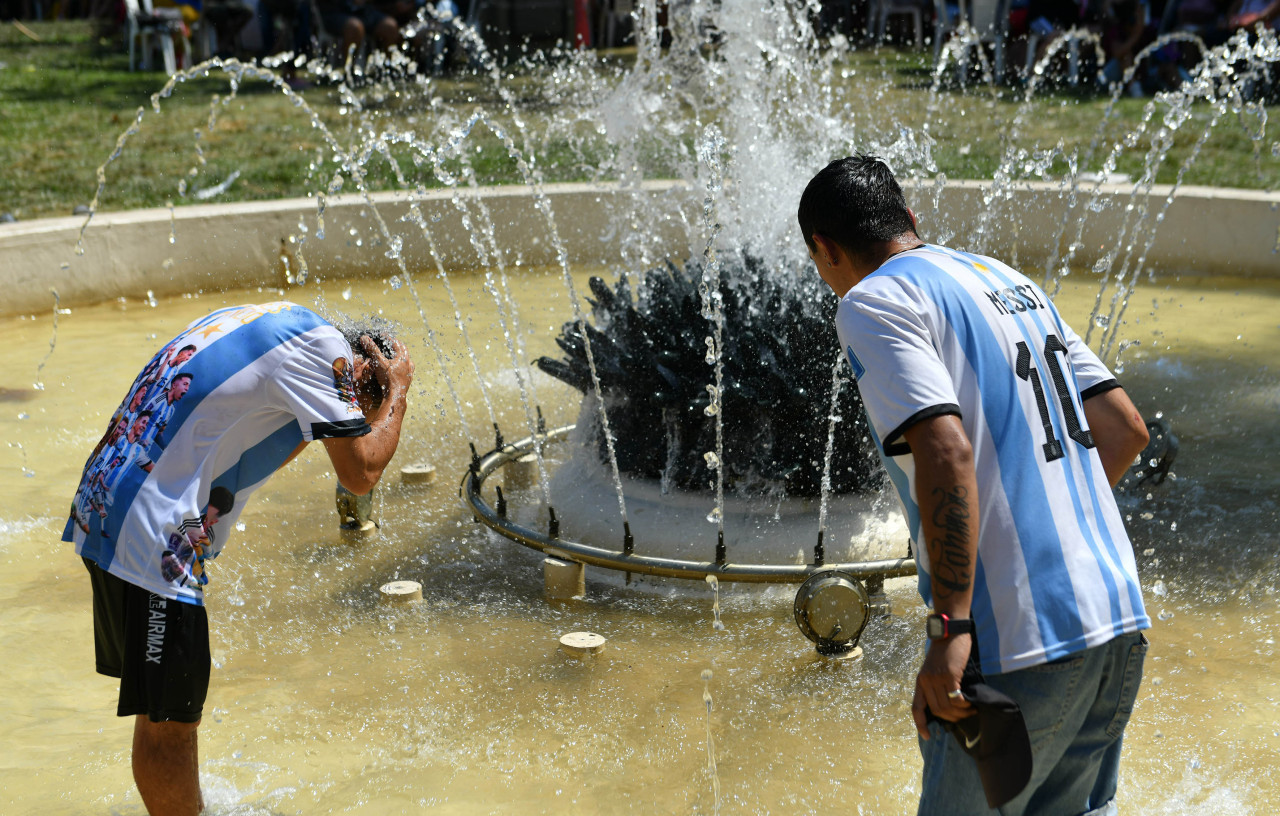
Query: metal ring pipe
column 470, row 491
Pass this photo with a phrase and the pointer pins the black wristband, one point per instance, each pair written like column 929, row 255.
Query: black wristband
column 941, row 626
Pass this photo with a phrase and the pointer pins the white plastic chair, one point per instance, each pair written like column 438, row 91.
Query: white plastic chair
column 148, row 30
column 988, row 18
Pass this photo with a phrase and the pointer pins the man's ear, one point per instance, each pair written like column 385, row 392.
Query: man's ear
column 827, row 250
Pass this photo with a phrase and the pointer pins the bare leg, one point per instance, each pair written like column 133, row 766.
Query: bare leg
column 352, row 38
column 387, row 33
column 166, row 767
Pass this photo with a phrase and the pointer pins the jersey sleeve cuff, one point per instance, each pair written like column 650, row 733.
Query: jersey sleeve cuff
column 895, row 444
column 345, row 428
column 1101, row 388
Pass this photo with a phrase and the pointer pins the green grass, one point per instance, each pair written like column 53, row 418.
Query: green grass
column 68, row 97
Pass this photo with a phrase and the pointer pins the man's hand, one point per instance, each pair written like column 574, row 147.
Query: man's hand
column 360, row 460
column 939, row 675
column 391, row 374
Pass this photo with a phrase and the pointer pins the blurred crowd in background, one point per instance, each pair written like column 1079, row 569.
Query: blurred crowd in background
column 1021, row 31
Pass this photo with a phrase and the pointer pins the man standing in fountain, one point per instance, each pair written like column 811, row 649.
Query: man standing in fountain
column 257, row 384
column 1003, row 434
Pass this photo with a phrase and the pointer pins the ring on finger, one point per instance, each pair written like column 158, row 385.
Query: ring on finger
column 955, row 694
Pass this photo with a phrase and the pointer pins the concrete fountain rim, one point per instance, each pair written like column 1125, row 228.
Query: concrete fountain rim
column 158, row 251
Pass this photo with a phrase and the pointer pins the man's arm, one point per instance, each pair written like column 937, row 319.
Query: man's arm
column 1118, row 431
column 359, row 461
column 947, row 492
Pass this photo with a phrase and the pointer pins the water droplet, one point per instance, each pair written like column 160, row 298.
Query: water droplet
column 394, row 251
column 1158, row 589
column 1164, row 615
column 346, row 293
column 395, row 282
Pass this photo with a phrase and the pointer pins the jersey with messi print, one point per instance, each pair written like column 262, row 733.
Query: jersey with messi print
column 218, row 410
column 934, row 331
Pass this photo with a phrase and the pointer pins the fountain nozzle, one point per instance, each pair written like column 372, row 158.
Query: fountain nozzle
column 355, row 513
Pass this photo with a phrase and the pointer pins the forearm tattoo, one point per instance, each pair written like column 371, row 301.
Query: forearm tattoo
column 950, row 562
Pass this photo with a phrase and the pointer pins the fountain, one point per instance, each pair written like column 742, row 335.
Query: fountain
column 327, row 697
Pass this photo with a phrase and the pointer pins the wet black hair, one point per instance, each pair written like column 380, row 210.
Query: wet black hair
column 376, row 327
column 856, row 202
column 222, row 500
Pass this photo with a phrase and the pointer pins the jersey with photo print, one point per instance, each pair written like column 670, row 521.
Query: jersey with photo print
column 262, row 380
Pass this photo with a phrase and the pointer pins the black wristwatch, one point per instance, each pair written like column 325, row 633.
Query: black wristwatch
column 941, row 626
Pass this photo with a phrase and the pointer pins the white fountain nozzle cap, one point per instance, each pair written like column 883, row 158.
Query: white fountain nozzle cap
column 582, row 644
column 419, row 473
column 399, row 593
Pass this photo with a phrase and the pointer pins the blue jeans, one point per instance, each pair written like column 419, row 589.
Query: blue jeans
column 1076, row 709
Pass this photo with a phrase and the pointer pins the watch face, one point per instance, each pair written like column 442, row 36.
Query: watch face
column 933, row 627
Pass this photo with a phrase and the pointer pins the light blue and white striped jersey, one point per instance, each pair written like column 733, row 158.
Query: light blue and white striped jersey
column 167, row 482
column 935, row 331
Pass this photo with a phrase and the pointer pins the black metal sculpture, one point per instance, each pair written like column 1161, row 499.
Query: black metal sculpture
column 779, row 348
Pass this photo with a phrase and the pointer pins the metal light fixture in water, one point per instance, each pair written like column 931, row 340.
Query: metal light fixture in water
column 831, row 609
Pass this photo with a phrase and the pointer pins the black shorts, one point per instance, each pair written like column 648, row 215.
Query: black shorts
column 159, row 648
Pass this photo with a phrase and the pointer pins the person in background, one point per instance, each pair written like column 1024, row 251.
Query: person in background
column 351, row 21
column 1126, row 31
column 285, row 25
